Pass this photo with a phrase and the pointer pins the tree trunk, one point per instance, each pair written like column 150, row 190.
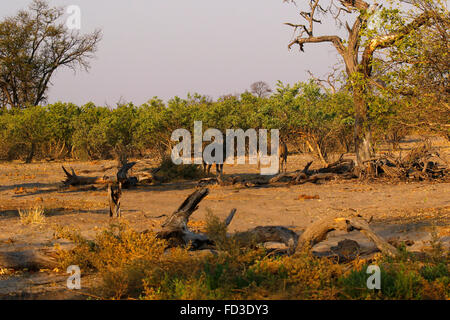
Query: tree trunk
column 362, row 134
column 31, row 154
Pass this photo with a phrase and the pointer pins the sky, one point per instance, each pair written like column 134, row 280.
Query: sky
column 169, row 48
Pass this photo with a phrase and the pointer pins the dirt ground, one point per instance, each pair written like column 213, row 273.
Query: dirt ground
column 400, row 210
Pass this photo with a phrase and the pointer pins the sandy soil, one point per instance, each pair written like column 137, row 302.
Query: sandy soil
column 404, row 211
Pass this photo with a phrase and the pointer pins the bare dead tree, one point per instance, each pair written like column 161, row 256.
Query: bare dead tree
column 260, row 89
column 356, row 53
column 328, row 83
column 123, row 178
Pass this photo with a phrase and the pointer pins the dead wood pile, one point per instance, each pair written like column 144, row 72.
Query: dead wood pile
column 421, row 163
column 175, row 229
column 342, row 168
column 122, row 176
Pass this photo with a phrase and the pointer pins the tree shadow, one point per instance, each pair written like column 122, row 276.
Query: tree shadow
column 29, row 186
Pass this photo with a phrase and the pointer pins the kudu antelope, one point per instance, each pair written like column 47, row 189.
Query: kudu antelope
column 219, row 166
column 282, row 156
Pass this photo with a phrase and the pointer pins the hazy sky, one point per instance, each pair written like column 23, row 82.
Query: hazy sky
column 171, row 47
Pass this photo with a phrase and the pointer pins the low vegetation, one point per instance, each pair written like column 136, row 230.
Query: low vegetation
column 136, row 265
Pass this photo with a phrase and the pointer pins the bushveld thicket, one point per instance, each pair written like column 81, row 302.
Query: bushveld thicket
column 312, row 120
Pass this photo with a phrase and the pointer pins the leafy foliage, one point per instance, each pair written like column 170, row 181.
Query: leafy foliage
column 34, row 43
column 310, row 119
column 302, row 112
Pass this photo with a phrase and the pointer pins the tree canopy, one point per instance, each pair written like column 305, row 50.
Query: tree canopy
column 371, row 28
column 34, row 43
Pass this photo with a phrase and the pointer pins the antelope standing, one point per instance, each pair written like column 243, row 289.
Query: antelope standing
column 219, row 166
column 282, row 156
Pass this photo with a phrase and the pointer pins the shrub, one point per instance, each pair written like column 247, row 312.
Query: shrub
column 321, row 121
column 170, row 171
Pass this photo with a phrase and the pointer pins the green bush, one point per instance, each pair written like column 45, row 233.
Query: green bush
column 322, row 121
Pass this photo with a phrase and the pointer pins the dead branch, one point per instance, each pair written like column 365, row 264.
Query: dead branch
column 318, row 231
column 314, row 178
column 175, row 227
column 122, row 175
column 230, row 217
column 292, row 176
column 342, row 168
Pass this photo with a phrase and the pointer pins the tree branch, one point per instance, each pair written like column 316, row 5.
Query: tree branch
column 385, row 41
column 335, row 40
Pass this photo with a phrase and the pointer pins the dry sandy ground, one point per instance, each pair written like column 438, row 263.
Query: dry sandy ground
column 406, row 211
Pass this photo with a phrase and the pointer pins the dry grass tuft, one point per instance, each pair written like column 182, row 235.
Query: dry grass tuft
column 34, row 215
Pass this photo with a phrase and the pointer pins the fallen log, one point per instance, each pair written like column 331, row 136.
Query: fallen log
column 362, row 225
column 342, row 168
column 285, row 177
column 72, row 179
column 339, row 167
column 318, row 231
column 292, row 176
column 175, row 228
column 231, row 181
column 207, row 182
column 314, row 178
